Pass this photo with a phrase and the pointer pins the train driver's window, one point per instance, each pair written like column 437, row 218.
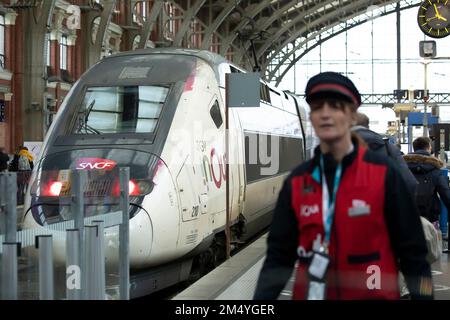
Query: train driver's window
column 215, row 114
column 127, row 109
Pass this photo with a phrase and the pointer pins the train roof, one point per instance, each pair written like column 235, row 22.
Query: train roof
column 212, row 58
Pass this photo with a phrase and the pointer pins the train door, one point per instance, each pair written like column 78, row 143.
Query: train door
column 193, row 203
column 189, row 201
column 214, row 162
column 237, row 163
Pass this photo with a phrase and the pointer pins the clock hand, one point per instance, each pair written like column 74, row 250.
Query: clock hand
column 438, row 15
column 436, row 10
column 432, row 18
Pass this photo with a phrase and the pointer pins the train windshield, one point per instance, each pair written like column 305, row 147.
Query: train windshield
column 120, row 109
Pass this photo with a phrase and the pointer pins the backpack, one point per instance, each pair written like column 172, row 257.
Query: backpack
column 14, row 164
column 425, row 196
column 24, row 164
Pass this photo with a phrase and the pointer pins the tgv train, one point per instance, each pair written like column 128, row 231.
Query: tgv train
column 161, row 112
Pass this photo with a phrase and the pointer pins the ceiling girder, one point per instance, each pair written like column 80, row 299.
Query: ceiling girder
column 232, row 4
column 292, row 51
column 189, row 15
column 148, row 26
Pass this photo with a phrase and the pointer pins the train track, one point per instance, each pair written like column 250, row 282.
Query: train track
column 29, row 286
column 170, row 292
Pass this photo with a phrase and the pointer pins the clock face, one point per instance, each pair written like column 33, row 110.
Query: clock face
column 434, row 18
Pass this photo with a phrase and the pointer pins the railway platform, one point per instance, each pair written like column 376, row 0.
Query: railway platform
column 236, row 278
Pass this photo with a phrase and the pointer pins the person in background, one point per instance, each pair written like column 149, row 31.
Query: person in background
column 436, row 153
column 432, row 183
column 22, row 163
column 26, row 155
column 14, row 163
column 4, row 158
column 343, row 212
column 382, row 146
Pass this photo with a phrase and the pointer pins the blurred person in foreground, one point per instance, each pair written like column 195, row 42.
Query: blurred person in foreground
column 345, row 216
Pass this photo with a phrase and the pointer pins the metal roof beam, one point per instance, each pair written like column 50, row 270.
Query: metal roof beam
column 304, row 28
column 334, row 13
column 249, row 14
column 207, row 39
column 187, row 18
column 147, row 28
column 296, row 48
column 279, row 13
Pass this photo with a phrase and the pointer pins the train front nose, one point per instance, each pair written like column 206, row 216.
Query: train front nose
column 52, row 199
column 139, row 243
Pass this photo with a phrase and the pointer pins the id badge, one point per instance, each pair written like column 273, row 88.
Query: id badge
column 316, row 276
column 318, row 266
column 316, row 290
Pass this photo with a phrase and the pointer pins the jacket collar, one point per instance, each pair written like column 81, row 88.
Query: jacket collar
column 330, row 162
column 423, row 157
column 422, row 152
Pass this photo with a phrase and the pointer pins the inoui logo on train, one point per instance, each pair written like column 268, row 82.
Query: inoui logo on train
column 210, row 171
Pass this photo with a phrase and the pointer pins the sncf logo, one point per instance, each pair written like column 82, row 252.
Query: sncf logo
column 306, row 211
column 95, row 164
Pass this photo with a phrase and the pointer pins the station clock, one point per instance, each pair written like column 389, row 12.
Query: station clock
column 434, row 18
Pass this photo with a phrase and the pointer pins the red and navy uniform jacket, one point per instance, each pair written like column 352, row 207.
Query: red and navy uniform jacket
column 376, row 231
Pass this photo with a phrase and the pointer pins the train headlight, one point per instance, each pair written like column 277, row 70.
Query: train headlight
column 133, row 188
column 54, row 188
column 139, row 187
column 145, row 187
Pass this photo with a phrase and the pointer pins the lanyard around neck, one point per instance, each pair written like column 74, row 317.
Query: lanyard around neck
column 328, row 202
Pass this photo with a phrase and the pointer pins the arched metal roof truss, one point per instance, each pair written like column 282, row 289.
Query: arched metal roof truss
column 285, row 55
column 278, row 29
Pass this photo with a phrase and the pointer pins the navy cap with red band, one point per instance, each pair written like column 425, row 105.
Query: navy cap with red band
column 332, row 85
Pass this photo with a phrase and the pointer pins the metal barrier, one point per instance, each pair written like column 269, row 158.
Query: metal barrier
column 45, row 245
column 95, row 262
column 73, row 263
column 22, row 277
column 8, row 242
column 9, row 271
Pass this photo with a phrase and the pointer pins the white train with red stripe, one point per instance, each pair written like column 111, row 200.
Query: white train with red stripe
column 161, row 113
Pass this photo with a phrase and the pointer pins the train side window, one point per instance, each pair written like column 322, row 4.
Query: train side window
column 267, row 94
column 264, row 93
column 215, row 114
column 275, row 98
column 235, row 70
